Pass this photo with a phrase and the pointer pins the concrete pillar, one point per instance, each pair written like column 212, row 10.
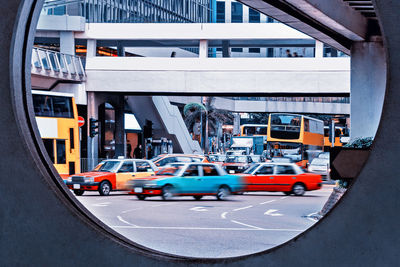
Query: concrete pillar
column 319, row 49
column 120, row 127
column 263, row 18
column 120, row 49
column 225, row 49
column 91, row 48
column 368, row 83
column 203, row 49
column 245, row 14
column 93, row 142
column 228, row 11
column 67, row 43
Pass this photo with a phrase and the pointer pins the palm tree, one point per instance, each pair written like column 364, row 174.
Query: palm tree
column 213, row 117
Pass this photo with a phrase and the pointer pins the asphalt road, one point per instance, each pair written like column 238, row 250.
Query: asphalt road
column 244, row 224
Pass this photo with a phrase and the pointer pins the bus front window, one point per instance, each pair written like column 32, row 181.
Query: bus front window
column 285, row 126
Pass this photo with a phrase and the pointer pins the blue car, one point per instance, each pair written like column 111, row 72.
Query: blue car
column 188, row 179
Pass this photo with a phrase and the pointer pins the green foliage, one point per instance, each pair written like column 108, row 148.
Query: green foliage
column 360, row 142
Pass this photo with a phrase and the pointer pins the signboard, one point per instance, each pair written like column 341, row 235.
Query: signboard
column 81, row 121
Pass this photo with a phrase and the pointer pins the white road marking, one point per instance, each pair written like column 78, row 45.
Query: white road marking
column 310, row 218
column 122, row 220
column 104, row 204
column 205, row 228
column 267, row 202
column 248, row 225
column 243, row 208
column 126, row 211
column 198, row 209
column 283, row 197
column 223, row 215
column 271, row 213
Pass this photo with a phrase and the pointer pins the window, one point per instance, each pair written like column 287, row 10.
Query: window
column 61, row 157
column 220, row 12
column 126, row 167
column 197, row 159
column 209, row 170
column 235, row 49
column 285, row 170
column 192, row 170
column 71, row 138
column 270, row 20
column 143, row 166
column 237, row 12
column 49, row 145
column 254, row 50
column 53, row 106
column 254, row 16
column 166, row 161
column 266, row 170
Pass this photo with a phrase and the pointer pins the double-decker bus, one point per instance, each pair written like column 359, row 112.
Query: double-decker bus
column 57, row 120
column 294, row 136
column 254, row 130
column 339, row 132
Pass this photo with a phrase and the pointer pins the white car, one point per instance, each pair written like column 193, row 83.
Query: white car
column 320, row 166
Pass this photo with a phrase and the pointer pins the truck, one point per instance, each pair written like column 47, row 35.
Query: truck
column 249, row 144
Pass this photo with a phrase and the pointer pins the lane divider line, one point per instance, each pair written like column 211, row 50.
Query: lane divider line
column 267, row 202
column 283, row 197
column 223, row 215
column 309, row 216
column 122, row 220
column 243, row 208
column 126, row 211
column 248, row 225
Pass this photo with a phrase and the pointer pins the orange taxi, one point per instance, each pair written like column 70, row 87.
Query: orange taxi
column 288, row 178
column 112, row 174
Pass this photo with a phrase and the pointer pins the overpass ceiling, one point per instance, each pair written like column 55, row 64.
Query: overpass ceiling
column 337, row 23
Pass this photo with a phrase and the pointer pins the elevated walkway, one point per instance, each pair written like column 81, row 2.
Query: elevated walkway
column 219, row 75
column 167, row 121
column 49, row 68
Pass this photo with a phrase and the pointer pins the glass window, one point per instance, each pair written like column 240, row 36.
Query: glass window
column 266, row 170
column 53, row 106
column 285, row 170
column 126, row 167
column 167, row 160
column 192, row 170
column 254, row 50
column 107, row 166
column 49, row 145
column 61, row 156
column 236, row 49
column 254, row 16
column 143, row 166
column 237, row 12
column 251, row 168
column 210, row 170
column 71, row 138
column 220, row 12
column 183, row 159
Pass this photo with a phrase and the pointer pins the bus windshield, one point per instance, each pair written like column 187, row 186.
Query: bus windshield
column 285, row 126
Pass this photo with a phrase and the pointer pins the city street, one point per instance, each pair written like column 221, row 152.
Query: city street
column 244, row 224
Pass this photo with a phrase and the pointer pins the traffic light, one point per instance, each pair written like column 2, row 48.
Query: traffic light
column 93, row 127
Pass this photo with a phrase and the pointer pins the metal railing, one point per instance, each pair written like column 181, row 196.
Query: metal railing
column 57, row 65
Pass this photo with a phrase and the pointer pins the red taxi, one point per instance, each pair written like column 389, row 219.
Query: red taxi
column 112, row 174
column 280, row 177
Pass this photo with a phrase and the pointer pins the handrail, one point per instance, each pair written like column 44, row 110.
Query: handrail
column 55, row 64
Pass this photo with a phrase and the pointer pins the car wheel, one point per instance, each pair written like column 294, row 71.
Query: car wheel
column 298, row 189
column 141, row 197
column 78, row 192
column 287, row 193
column 223, row 192
column 197, row 197
column 104, row 188
column 167, row 192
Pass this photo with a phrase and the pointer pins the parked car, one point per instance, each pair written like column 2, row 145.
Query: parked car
column 280, row 177
column 110, row 175
column 164, row 159
column 320, row 166
column 237, row 163
column 187, row 179
column 216, row 158
column 236, row 152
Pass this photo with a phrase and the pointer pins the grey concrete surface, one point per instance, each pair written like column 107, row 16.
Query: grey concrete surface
column 41, row 225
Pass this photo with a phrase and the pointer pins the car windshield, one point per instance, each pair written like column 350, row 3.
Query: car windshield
column 252, row 168
column 319, row 161
column 217, row 157
column 107, row 166
column 324, row 155
column 236, row 159
column 281, row 159
column 156, row 158
column 172, row 169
